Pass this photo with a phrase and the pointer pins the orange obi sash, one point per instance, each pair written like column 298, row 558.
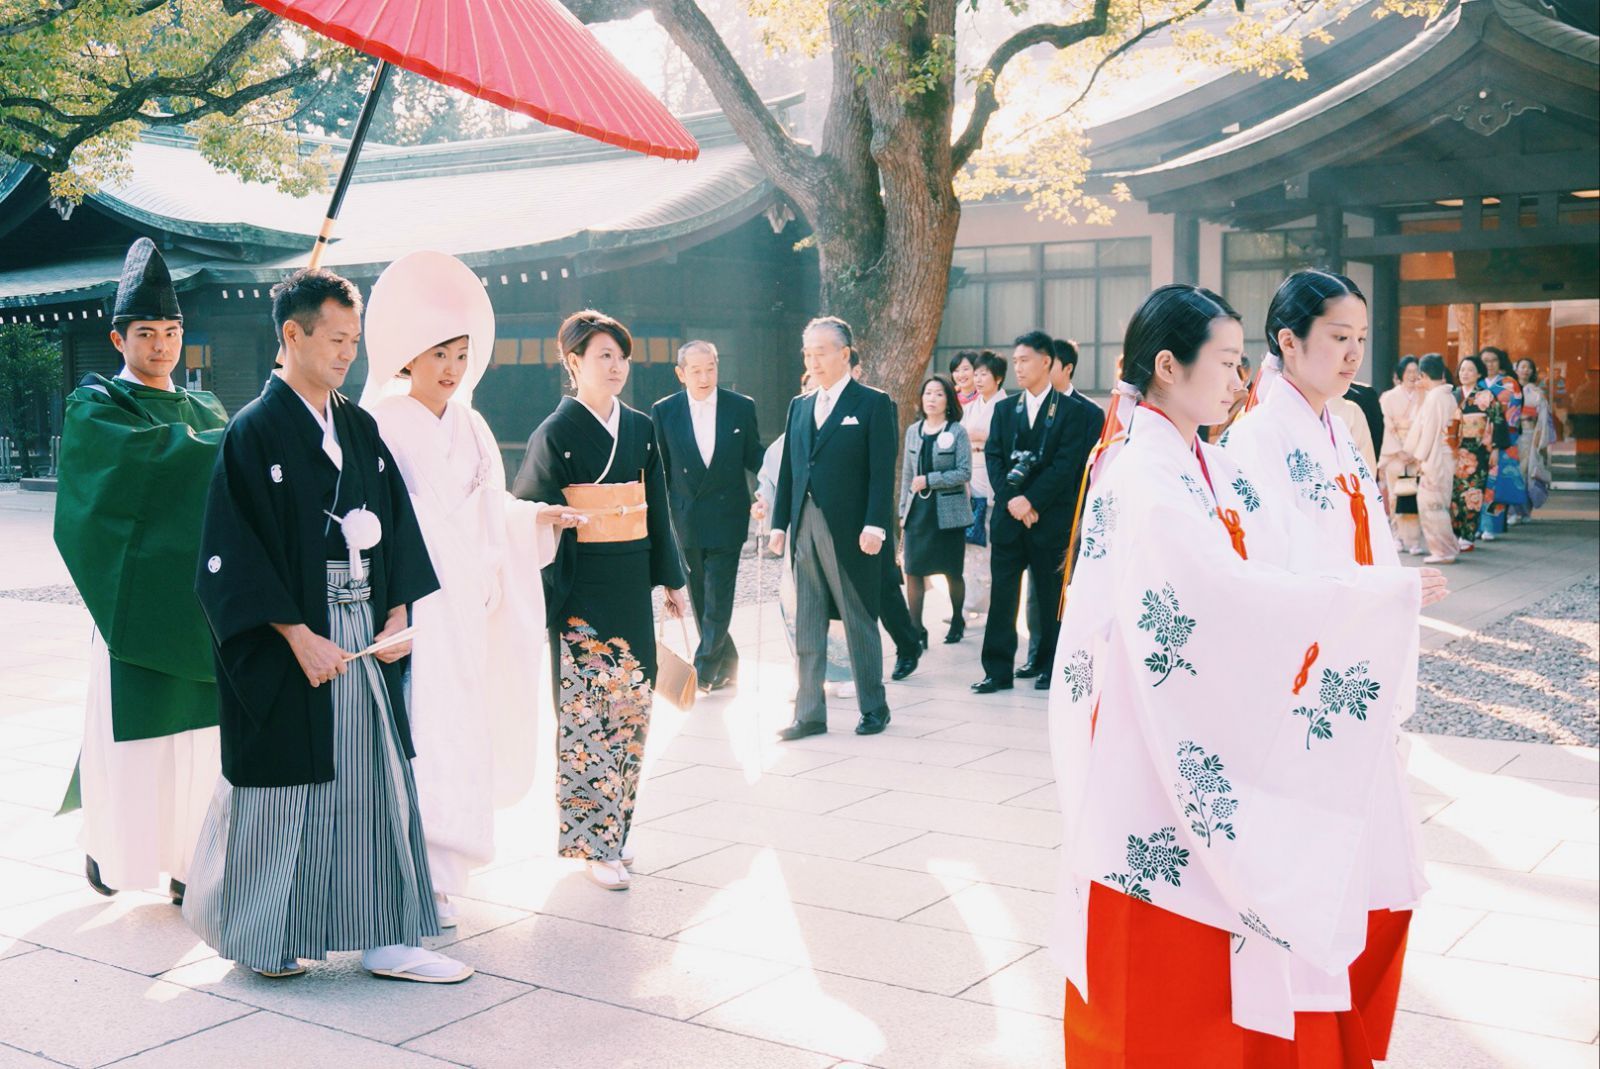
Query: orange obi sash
column 616, row 511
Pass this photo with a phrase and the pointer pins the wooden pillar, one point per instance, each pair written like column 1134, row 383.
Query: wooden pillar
column 1186, row 248
column 1384, row 307
column 1330, row 233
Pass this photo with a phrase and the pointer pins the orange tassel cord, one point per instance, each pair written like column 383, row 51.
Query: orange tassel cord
column 1230, row 520
column 1305, row 669
column 1351, row 485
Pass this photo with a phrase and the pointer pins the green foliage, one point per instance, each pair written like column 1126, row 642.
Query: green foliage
column 30, row 372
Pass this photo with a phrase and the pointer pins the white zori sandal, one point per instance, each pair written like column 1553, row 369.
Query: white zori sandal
column 414, row 964
column 610, row 875
column 287, row 969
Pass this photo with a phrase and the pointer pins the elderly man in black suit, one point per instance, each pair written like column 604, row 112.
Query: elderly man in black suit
column 708, row 441
column 835, row 496
column 1038, row 444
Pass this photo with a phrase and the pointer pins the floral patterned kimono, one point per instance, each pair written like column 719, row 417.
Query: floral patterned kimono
column 1334, row 523
column 1538, row 431
column 597, row 597
column 1506, row 483
column 1472, row 493
column 1217, row 733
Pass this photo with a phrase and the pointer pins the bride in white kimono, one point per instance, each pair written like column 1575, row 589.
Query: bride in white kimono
column 429, row 333
column 1335, row 523
column 1216, row 732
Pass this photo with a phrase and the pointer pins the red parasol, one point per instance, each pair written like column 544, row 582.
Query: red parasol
column 530, row 56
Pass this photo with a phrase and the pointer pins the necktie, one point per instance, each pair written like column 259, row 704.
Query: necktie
column 824, row 406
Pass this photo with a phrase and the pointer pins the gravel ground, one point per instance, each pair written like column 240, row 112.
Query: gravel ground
column 60, row 595
column 1532, row 677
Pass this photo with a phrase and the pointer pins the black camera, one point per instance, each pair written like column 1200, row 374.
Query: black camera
column 1024, row 462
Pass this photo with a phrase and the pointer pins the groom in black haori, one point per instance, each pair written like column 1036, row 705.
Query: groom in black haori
column 310, row 559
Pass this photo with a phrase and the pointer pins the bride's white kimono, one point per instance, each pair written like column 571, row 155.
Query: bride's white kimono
column 479, row 648
column 1338, row 524
column 1220, row 724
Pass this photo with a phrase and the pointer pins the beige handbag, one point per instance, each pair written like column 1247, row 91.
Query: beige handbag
column 1404, row 486
column 676, row 679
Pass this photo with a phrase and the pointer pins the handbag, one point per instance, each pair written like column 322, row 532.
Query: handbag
column 978, row 530
column 676, row 679
column 1404, row 486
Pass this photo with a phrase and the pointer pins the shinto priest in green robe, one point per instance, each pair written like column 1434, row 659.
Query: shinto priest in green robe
column 136, row 459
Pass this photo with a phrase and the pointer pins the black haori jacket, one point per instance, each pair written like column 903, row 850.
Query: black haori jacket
column 264, row 550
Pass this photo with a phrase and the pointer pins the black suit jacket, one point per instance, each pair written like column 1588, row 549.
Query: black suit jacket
column 710, row 505
column 1063, row 449
column 847, row 467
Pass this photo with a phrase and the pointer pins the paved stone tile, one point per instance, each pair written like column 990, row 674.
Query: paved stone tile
column 474, row 918
column 1579, row 764
column 1557, row 898
column 10, row 946
column 1503, row 850
column 142, row 933
column 340, row 994
column 773, row 792
column 21, row 882
column 1571, row 859
column 1045, row 798
column 270, row 1041
column 868, row 948
column 33, row 786
column 1029, row 763
column 29, row 834
column 1034, row 985
column 755, row 755
column 1012, row 738
column 1029, row 710
column 60, row 753
column 891, row 1027
column 1424, row 1042
column 82, row 1013
column 1532, row 943
column 662, row 803
column 927, row 779
column 803, row 833
column 841, row 740
column 815, row 881
column 1475, row 755
column 11, row 1058
column 1435, row 927
column 977, row 860
column 656, row 848
column 956, row 816
column 1502, row 996
column 555, row 1031
column 559, row 888
column 992, row 910
column 43, row 688
column 654, row 975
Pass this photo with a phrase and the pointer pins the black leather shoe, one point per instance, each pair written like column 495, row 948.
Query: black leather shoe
column 989, row 684
column 91, row 872
column 1043, row 682
column 1027, row 671
column 872, row 725
column 801, row 729
column 958, row 629
column 177, row 889
column 905, row 664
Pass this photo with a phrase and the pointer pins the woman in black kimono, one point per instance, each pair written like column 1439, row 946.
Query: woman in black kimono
column 598, row 456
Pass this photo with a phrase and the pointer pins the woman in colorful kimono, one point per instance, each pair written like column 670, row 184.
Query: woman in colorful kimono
column 1533, row 448
column 1396, row 472
column 1472, row 490
column 429, row 333
column 1197, row 924
column 1505, row 429
column 597, row 456
column 1335, row 522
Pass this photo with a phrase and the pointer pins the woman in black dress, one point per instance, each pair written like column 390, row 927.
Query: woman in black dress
column 598, row 456
column 935, row 507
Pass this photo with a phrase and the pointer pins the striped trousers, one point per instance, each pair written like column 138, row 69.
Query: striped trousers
column 819, row 582
column 282, row 873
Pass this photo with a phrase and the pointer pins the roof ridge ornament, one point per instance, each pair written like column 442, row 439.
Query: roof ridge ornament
column 1488, row 111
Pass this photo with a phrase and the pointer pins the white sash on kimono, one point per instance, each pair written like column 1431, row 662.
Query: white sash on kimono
column 1219, row 723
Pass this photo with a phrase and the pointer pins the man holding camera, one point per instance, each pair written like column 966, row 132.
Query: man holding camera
column 1037, row 448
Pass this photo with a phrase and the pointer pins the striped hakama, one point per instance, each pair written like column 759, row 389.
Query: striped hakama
column 295, row 872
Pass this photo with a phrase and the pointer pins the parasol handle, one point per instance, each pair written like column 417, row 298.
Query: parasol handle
column 369, row 108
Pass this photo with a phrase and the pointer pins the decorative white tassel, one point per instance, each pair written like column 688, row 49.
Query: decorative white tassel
column 362, row 530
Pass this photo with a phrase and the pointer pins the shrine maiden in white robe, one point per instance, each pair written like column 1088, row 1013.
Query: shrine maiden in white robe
column 479, row 648
column 1219, row 723
column 1336, row 524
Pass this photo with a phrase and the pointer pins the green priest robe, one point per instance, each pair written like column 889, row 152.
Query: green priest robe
column 135, row 467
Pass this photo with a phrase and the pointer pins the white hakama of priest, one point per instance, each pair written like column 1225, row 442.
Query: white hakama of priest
column 145, row 799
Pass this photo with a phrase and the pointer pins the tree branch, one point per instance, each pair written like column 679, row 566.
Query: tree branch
column 791, row 169
column 987, row 103
column 1152, row 28
column 40, row 18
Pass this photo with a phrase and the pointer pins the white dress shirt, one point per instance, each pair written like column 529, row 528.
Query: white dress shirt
column 703, row 415
column 827, row 397
column 1033, row 401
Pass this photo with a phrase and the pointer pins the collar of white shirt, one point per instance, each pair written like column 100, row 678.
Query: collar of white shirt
column 1034, row 400
column 127, row 375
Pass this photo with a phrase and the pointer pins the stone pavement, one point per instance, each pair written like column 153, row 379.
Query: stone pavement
column 836, row 901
